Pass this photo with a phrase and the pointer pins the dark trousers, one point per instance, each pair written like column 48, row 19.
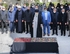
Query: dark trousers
column 23, row 26
column 54, row 29
column 67, row 27
column 27, row 27
column 63, row 32
column 4, row 24
column 59, row 27
column 51, row 26
column 0, row 24
column 31, row 29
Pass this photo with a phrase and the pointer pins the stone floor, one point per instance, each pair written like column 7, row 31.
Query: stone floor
column 7, row 39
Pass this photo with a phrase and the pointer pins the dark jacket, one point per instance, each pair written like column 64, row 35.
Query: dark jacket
column 63, row 18
column 32, row 10
column 27, row 15
column 16, row 15
column 55, row 16
column 4, row 16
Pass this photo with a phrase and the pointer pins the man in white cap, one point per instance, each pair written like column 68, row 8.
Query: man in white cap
column 19, row 19
column 4, row 19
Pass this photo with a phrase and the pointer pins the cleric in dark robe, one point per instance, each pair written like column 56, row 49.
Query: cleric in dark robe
column 37, row 24
column 19, row 19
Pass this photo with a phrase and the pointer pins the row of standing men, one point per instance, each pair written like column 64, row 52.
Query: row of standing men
column 33, row 20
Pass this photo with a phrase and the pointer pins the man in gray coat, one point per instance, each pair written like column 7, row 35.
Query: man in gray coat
column 68, row 21
column 4, row 19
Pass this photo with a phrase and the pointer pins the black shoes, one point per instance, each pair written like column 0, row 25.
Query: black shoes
column 44, row 34
column 52, row 34
column 56, row 34
column 26, row 32
column 62, row 34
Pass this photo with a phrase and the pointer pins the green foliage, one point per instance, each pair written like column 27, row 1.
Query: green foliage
column 5, row 5
column 37, row 1
column 59, row 1
column 47, row 4
column 64, row 1
column 55, row 3
column 27, row 4
column 41, row 3
column 68, row 2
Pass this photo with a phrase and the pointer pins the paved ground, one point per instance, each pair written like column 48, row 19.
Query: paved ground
column 7, row 39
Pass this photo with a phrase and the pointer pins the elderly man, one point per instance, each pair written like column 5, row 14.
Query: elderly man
column 63, row 21
column 37, row 24
column 4, row 19
column 19, row 19
column 54, row 21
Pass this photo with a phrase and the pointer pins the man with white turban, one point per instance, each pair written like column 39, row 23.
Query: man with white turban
column 19, row 19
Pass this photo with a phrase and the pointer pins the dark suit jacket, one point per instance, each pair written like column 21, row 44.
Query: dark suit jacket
column 27, row 15
column 55, row 17
column 4, row 16
column 63, row 18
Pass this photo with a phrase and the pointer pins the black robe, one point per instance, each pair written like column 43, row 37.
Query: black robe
column 39, row 28
column 19, row 15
